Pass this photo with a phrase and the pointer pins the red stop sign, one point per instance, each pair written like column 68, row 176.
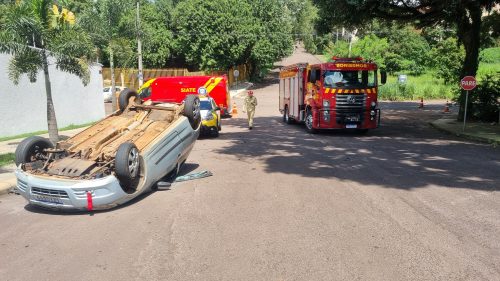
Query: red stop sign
column 468, row 83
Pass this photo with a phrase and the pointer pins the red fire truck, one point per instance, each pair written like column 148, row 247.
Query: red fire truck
column 340, row 94
column 175, row 89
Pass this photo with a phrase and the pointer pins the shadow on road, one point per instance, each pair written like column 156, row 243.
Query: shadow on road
column 412, row 154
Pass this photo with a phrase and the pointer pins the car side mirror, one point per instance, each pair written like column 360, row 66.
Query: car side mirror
column 383, row 77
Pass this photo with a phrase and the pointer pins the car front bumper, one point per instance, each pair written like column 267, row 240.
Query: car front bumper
column 62, row 194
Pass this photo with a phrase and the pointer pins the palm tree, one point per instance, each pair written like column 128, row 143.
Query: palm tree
column 37, row 34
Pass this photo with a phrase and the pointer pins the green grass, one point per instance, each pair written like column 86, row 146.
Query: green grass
column 427, row 85
column 6, row 159
column 67, row 128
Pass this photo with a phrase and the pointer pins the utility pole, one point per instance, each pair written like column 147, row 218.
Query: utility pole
column 139, row 45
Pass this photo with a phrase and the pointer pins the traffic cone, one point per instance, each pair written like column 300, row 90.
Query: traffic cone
column 234, row 112
column 421, row 105
column 446, row 108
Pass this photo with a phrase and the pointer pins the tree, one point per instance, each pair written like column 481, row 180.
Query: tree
column 214, row 34
column 37, row 33
column 303, row 16
column 273, row 38
column 108, row 30
column 408, row 50
column 154, row 31
column 465, row 15
column 447, row 57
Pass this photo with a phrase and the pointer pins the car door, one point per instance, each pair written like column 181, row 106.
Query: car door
column 214, row 107
column 165, row 155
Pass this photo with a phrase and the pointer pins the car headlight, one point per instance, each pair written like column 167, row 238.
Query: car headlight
column 209, row 116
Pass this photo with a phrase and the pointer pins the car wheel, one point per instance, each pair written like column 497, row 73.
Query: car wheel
column 215, row 132
column 219, row 126
column 192, row 110
column 29, row 148
column 124, row 98
column 309, row 123
column 127, row 165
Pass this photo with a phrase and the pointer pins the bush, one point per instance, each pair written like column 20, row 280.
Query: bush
column 490, row 55
column 483, row 100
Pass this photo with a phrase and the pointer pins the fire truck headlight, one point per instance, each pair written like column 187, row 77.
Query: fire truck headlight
column 372, row 113
column 374, row 104
column 326, row 103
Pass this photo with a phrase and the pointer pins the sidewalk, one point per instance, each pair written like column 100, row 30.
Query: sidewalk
column 10, row 145
column 482, row 132
column 242, row 87
column 7, row 177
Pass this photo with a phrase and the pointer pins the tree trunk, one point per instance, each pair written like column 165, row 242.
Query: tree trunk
column 114, row 103
column 51, row 113
column 469, row 29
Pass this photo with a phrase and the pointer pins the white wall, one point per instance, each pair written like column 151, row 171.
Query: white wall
column 23, row 108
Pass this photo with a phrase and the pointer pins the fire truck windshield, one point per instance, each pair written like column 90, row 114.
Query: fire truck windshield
column 350, row 79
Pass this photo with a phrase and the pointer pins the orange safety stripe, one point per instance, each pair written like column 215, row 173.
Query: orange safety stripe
column 211, row 85
column 327, row 90
column 339, row 91
column 357, row 91
column 214, row 84
column 369, row 91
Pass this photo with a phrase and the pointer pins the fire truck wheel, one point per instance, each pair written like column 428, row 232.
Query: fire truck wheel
column 124, row 98
column 286, row 116
column 309, row 123
column 192, row 110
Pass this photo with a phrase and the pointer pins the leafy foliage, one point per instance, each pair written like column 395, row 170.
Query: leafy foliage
column 31, row 28
column 220, row 34
column 484, row 100
column 490, row 55
column 447, row 57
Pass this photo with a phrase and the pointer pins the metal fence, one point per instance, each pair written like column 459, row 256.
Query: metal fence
column 128, row 77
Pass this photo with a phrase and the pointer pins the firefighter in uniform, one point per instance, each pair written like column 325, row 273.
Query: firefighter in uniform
column 249, row 107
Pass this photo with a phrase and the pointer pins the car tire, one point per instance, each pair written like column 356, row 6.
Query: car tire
column 29, row 148
column 309, row 123
column 124, row 98
column 215, row 133
column 127, row 165
column 192, row 110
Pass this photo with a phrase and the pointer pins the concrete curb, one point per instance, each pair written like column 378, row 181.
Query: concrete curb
column 435, row 124
column 7, row 183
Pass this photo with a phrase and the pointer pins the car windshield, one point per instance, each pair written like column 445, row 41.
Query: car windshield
column 205, row 105
column 356, row 78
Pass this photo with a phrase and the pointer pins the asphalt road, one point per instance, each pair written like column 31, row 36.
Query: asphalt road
column 404, row 202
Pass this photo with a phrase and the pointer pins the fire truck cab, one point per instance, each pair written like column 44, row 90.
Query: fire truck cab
column 340, row 94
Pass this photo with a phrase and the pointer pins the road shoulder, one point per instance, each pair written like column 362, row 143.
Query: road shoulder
column 481, row 132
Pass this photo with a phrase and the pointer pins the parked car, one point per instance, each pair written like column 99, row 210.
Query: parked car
column 107, row 94
column 210, row 116
column 113, row 161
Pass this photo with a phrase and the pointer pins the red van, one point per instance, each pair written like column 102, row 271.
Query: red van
column 175, row 89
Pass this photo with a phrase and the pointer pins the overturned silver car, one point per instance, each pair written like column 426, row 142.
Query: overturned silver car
column 113, row 161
